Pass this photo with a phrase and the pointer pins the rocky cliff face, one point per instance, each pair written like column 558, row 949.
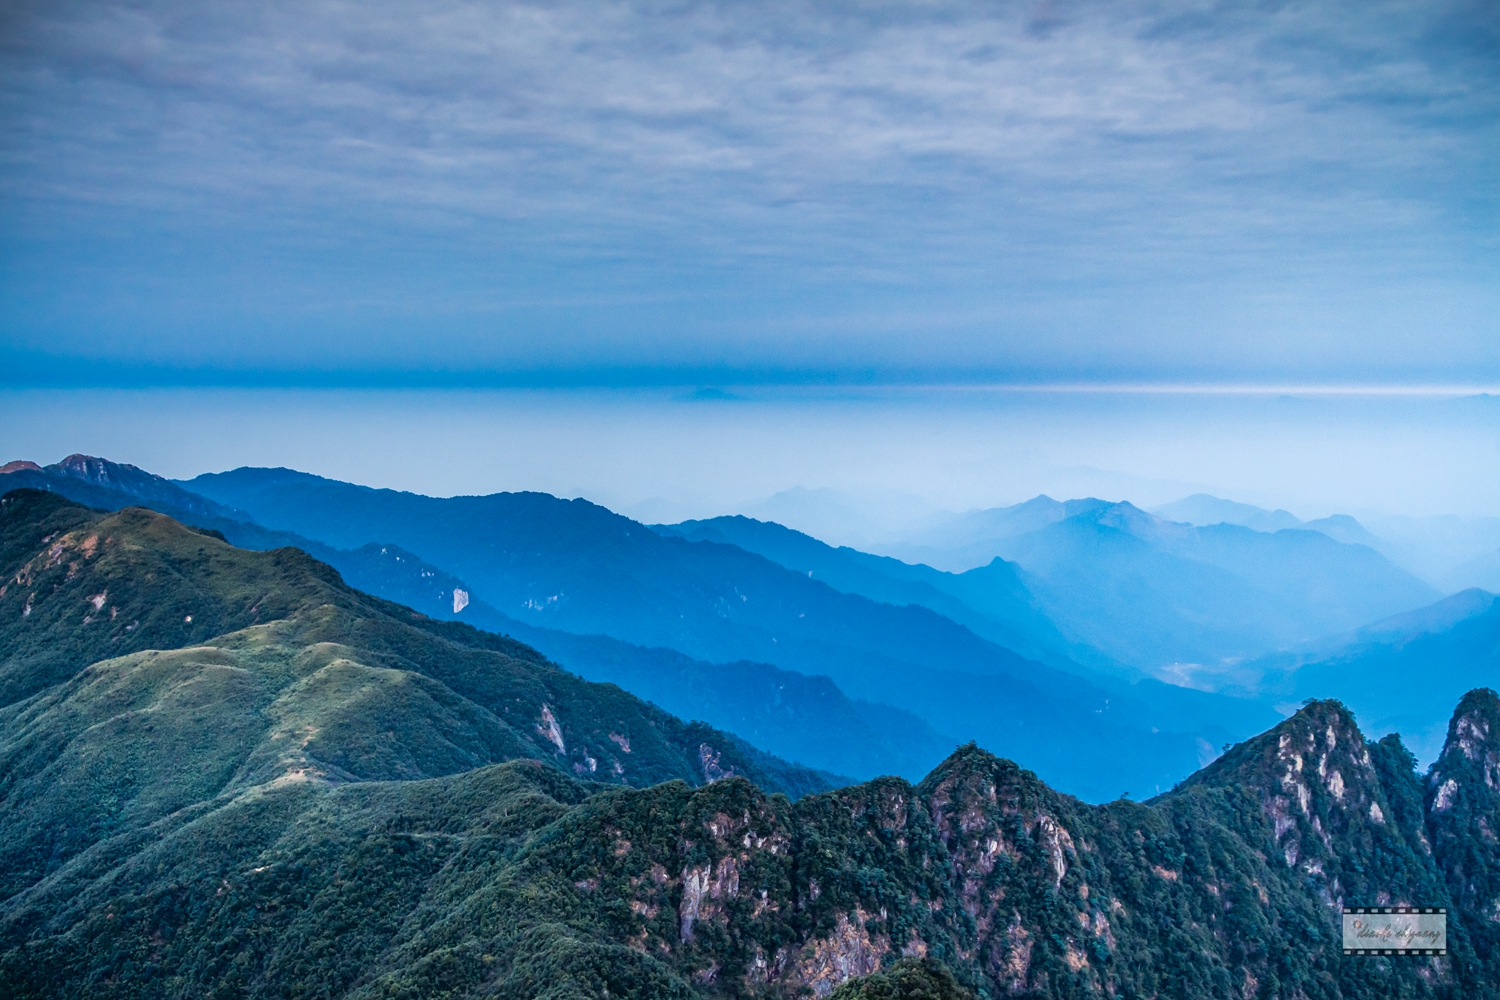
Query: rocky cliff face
column 1463, row 819
column 1231, row 886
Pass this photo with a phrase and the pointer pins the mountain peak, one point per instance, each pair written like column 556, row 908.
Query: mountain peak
column 94, row 469
column 19, row 466
column 1317, row 786
column 133, row 481
column 1463, row 807
column 1205, row 509
column 971, row 774
column 1297, row 751
column 1473, row 743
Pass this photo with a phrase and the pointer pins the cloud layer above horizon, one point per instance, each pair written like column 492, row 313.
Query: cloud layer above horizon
column 751, row 191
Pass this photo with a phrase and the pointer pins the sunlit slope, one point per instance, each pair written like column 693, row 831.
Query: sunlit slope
column 80, row 587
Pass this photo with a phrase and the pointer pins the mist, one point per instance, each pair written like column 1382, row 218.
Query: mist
column 853, row 466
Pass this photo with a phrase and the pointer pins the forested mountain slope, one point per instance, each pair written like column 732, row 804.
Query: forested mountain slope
column 353, row 800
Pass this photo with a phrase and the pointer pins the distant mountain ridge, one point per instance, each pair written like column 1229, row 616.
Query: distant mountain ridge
column 804, row 718
column 1006, row 610
column 1395, row 673
column 1173, row 599
column 119, row 477
column 789, row 714
column 573, row 566
column 1056, row 721
column 1067, row 731
column 1204, row 510
column 993, row 601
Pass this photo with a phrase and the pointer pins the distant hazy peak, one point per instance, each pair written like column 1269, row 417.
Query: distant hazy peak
column 1093, row 505
column 98, row 470
column 1204, row 509
column 263, row 476
column 1436, row 617
column 19, row 466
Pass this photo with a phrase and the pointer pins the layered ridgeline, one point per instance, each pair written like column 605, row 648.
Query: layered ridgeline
column 837, row 678
column 574, row 566
column 1453, row 553
column 281, row 787
column 801, row 717
column 1152, row 593
column 146, row 666
column 1452, row 645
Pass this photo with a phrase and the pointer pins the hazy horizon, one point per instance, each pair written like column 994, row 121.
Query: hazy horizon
column 897, row 454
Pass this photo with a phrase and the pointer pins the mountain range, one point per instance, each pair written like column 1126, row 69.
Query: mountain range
column 571, row 567
column 1451, row 553
column 226, row 772
column 803, row 717
column 857, row 663
column 1396, row 674
column 1173, row 599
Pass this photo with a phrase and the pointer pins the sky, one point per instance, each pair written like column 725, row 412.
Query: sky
column 327, row 194
column 937, row 255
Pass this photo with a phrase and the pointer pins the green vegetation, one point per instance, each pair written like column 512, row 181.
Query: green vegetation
column 335, row 797
column 908, row 979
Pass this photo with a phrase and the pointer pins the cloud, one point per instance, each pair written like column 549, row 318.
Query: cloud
column 857, row 160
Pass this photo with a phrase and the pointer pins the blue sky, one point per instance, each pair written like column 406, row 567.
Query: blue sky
column 638, row 193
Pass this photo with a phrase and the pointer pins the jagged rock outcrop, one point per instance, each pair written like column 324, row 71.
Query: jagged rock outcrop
column 1229, row 886
column 1331, row 813
column 1463, row 818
